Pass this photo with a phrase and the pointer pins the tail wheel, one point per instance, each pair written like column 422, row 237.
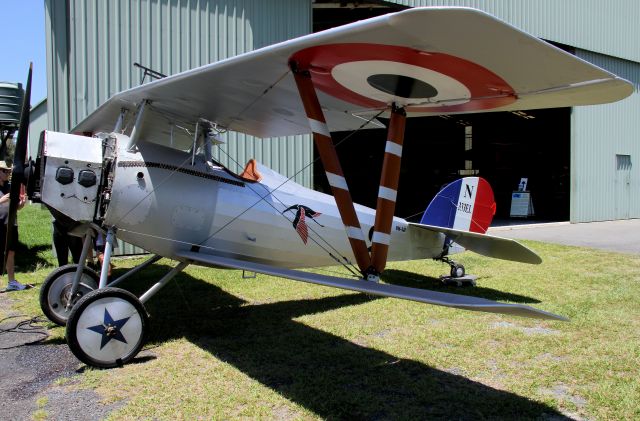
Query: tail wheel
column 55, row 293
column 457, row 270
column 106, row 328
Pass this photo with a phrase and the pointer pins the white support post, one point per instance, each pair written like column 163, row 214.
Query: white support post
column 162, row 282
column 195, row 144
column 108, row 246
column 86, row 245
column 135, row 132
column 120, row 121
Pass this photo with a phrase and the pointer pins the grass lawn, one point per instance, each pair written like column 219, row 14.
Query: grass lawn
column 224, row 347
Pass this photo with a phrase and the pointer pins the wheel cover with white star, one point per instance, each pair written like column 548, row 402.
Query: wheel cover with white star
column 108, row 328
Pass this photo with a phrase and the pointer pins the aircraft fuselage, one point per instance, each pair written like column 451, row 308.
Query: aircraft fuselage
column 164, row 204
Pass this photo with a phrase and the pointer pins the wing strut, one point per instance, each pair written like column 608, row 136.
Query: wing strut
column 370, row 266
column 332, row 167
column 386, row 204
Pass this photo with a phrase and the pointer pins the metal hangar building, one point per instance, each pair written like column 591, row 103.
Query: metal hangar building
column 581, row 163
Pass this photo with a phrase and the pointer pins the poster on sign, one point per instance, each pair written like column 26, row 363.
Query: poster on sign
column 522, row 186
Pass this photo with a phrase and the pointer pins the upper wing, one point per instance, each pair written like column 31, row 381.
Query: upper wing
column 385, row 290
column 430, row 60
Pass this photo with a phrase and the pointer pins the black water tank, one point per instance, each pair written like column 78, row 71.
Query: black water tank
column 11, row 95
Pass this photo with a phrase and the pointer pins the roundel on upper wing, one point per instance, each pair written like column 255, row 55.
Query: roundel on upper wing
column 375, row 75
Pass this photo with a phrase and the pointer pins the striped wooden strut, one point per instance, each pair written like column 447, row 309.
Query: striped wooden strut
column 374, row 264
column 388, row 191
column 333, row 169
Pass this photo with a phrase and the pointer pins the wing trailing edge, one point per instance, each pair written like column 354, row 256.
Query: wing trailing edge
column 384, row 290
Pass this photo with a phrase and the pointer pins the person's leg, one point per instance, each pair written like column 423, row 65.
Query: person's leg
column 3, row 241
column 13, row 284
column 11, row 256
column 75, row 245
column 60, row 243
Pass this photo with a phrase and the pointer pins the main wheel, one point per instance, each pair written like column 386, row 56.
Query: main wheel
column 56, row 291
column 106, row 328
column 457, row 270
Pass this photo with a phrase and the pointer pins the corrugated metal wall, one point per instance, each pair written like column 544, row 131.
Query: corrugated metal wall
column 92, row 45
column 38, row 121
column 599, row 133
column 608, row 27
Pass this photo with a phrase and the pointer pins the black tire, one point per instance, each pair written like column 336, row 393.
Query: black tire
column 457, row 270
column 111, row 318
column 56, row 290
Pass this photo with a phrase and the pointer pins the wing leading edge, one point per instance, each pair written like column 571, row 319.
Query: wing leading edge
column 432, row 60
column 385, row 290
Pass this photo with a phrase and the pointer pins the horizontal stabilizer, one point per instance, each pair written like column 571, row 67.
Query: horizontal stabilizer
column 384, row 290
column 487, row 245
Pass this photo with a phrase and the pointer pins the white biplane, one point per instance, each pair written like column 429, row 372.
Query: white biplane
column 137, row 176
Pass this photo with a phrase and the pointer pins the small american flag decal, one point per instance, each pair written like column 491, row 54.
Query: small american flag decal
column 300, row 223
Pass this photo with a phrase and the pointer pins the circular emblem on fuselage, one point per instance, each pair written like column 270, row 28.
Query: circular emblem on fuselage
column 375, row 75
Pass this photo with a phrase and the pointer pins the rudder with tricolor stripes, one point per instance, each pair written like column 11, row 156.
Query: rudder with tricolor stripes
column 466, row 204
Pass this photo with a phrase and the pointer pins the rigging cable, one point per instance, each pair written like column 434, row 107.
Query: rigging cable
column 262, row 197
column 345, row 262
column 166, row 116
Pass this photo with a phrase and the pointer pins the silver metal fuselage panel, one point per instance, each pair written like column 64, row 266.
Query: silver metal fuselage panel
column 74, row 154
column 165, row 205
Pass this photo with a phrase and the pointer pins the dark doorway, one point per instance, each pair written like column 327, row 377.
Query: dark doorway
column 500, row 147
column 329, row 14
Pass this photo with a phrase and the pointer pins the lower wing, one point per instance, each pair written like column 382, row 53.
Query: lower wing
column 384, row 290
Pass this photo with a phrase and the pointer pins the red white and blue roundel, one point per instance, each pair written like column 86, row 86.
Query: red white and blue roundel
column 466, row 205
column 376, row 75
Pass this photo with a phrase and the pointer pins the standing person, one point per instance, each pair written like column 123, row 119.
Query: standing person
column 5, row 189
column 63, row 242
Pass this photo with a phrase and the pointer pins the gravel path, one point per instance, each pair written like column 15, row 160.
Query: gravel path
column 28, row 375
column 618, row 236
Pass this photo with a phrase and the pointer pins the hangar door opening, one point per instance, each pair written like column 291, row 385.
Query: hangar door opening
column 501, row 147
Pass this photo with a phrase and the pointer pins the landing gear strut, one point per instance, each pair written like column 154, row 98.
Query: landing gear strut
column 107, row 327
column 457, row 275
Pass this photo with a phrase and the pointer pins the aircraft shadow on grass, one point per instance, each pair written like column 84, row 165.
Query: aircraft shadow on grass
column 415, row 280
column 328, row 375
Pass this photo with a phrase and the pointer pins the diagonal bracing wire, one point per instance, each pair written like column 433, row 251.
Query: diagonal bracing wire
column 261, row 197
column 345, row 261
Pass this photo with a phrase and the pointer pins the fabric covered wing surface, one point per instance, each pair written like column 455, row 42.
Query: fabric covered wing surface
column 385, row 290
column 254, row 93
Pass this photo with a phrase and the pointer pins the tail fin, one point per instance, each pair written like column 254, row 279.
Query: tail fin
column 466, row 205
